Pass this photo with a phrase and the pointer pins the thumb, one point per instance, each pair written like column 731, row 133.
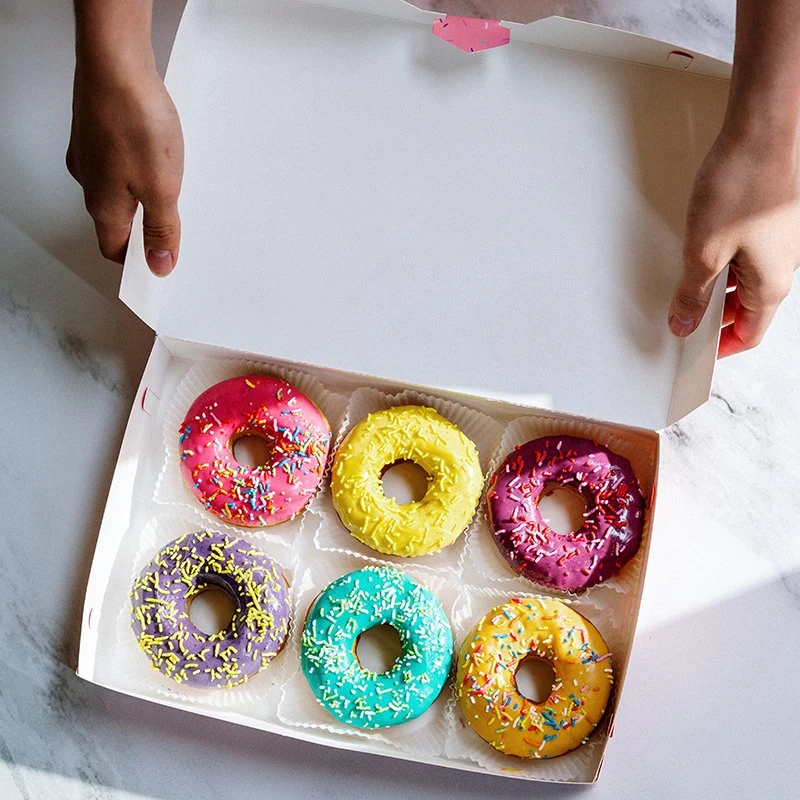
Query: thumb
column 162, row 236
column 692, row 295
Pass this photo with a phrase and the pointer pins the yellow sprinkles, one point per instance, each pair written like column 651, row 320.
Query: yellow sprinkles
column 406, row 433
column 163, row 592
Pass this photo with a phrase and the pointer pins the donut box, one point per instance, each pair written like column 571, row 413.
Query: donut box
column 390, row 220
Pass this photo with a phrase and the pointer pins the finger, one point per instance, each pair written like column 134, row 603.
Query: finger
column 71, row 158
column 692, row 294
column 745, row 332
column 72, row 163
column 730, row 309
column 112, row 237
column 162, row 235
column 759, row 291
column 112, row 217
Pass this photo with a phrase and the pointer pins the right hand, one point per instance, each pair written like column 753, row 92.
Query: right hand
column 744, row 211
column 126, row 148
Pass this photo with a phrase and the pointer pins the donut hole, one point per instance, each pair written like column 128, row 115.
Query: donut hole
column 405, row 482
column 251, row 450
column 535, row 678
column 562, row 508
column 378, row 649
column 211, row 609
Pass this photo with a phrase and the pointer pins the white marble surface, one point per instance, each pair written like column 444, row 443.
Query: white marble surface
column 711, row 705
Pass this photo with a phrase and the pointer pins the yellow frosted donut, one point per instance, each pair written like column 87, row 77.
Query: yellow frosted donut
column 487, row 690
column 406, row 433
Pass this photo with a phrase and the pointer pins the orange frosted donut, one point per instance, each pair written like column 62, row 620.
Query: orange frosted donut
column 486, row 681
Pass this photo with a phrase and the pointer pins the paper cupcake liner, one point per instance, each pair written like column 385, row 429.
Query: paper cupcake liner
column 485, row 562
column 258, row 697
column 581, row 764
column 170, row 486
column 299, row 707
column 484, row 431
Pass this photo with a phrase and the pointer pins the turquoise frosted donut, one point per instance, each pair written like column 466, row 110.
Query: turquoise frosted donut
column 353, row 604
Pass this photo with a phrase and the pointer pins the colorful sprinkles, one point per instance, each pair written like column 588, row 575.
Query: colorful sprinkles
column 612, row 523
column 299, row 439
column 406, row 433
column 487, row 665
column 297, row 434
column 164, row 590
column 353, row 604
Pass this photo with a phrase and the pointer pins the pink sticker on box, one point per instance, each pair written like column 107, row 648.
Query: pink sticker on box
column 470, row 34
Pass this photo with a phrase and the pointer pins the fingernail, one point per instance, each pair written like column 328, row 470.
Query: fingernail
column 160, row 261
column 682, row 326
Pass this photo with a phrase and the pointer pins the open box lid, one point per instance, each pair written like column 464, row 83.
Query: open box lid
column 360, row 195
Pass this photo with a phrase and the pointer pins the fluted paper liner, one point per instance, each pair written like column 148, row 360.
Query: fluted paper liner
column 579, row 765
column 484, row 561
column 300, row 708
column 170, row 486
column 260, row 694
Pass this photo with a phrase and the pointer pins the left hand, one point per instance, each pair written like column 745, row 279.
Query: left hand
column 126, row 148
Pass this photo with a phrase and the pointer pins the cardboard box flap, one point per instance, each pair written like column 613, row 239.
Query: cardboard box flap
column 360, row 195
column 541, row 22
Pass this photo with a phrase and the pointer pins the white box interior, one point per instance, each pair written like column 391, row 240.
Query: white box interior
column 277, row 699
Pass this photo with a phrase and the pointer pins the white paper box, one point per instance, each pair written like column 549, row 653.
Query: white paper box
column 361, row 196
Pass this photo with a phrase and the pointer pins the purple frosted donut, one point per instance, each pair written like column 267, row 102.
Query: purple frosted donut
column 164, row 590
column 613, row 521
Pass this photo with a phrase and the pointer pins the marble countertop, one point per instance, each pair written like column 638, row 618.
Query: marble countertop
column 711, row 704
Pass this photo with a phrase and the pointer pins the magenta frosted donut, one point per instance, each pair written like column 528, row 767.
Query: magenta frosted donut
column 613, row 521
column 298, row 438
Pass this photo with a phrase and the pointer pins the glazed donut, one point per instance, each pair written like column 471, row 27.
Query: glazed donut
column 295, row 429
column 613, row 522
column 163, row 593
column 487, row 665
column 353, row 604
column 406, row 433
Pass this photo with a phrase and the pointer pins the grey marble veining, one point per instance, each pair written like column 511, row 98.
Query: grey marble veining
column 718, row 632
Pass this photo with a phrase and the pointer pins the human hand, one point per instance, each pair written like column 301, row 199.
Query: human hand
column 744, row 211
column 126, row 148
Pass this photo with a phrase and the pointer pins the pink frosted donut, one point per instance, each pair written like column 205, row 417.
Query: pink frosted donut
column 298, row 436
